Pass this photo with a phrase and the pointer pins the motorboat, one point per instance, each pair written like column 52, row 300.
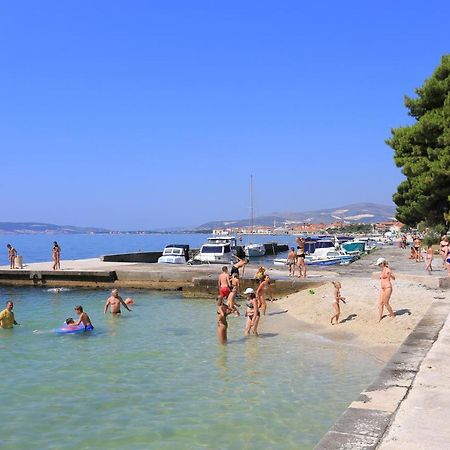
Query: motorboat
column 217, row 250
column 174, row 254
column 328, row 256
column 254, row 250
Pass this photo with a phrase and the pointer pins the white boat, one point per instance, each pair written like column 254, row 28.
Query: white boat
column 217, row 250
column 329, row 257
column 254, row 250
column 174, row 254
column 281, row 262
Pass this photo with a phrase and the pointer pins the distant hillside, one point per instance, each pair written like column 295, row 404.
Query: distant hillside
column 45, row 228
column 355, row 213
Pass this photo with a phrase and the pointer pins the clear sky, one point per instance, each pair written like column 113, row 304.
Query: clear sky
column 146, row 114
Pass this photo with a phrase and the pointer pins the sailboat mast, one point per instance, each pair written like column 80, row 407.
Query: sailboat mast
column 251, row 204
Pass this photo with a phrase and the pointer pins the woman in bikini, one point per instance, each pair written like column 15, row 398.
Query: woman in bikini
column 261, row 293
column 386, row 288
column 232, row 295
column 444, row 249
column 301, row 257
column 252, row 312
column 222, row 325
column 336, row 302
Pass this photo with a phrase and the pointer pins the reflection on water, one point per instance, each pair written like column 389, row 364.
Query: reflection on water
column 160, row 373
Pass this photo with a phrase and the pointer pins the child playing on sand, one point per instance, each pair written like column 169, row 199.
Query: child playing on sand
column 337, row 299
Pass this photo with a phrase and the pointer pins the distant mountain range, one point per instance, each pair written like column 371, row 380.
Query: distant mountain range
column 355, row 213
column 45, row 228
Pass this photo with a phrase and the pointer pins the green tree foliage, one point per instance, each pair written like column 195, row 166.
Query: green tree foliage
column 422, row 150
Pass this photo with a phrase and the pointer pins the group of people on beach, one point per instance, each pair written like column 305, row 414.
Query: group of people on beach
column 296, row 259
column 113, row 304
column 417, row 252
column 255, row 302
column 56, row 256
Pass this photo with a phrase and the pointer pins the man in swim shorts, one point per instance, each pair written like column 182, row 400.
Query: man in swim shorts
column 114, row 303
column 83, row 318
column 224, row 283
column 7, row 319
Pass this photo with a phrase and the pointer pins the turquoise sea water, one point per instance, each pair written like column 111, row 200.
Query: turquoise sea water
column 156, row 378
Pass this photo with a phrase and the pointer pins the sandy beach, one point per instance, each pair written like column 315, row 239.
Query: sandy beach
column 359, row 317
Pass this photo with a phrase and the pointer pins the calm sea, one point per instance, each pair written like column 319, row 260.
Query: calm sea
column 156, row 378
column 38, row 247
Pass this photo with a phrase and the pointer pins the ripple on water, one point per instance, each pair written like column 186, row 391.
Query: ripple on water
column 157, row 379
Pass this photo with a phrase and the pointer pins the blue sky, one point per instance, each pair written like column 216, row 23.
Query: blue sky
column 146, row 114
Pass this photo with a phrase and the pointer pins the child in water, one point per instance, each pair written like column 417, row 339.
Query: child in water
column 336, row 302
column 83, row 318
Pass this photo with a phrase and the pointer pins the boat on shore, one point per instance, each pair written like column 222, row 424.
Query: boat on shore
column 174, row 254
column 216, row 250
column 254, row 250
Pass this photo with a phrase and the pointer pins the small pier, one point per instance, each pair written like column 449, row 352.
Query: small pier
column 193, row 281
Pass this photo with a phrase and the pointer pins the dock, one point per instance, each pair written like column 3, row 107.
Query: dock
column 193, row 281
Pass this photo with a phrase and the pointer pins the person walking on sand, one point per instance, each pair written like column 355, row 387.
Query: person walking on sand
column 83, row 318
column 386, row 288
column 224, row 283
column 12, row 255
column 291, row 261
column 261, row 293
column 429, row 266
column 222, row 325
column 252, row 312
column 114, row 303
column 7, row 319
column 336, row 302
column 56, row 256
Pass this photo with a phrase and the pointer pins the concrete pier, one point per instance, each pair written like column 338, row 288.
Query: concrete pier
column 194, row 281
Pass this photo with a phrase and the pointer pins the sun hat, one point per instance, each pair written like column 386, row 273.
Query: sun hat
column 249, row 291
column 380, row 261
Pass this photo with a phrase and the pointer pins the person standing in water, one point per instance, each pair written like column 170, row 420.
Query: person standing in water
column 261, row 293
column 252, row 312
column 83, row 318
column 12, row 255
column 336, row 302
column 224, row 283
column 114, row 303
column 231, row 301
column 56, row 256
column 222, row 325
column 386, row 288
column 7, row 319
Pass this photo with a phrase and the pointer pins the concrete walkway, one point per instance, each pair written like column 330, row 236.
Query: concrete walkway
column 423, row 418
